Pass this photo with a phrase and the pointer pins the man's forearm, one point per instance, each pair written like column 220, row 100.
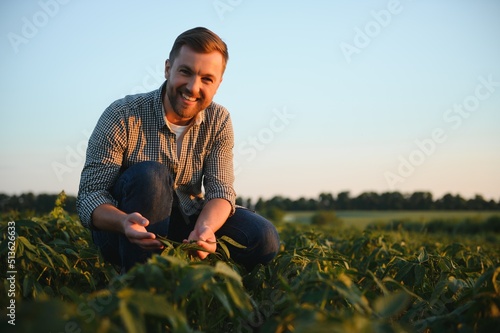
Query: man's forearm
column 214, row 214
column 108, row 218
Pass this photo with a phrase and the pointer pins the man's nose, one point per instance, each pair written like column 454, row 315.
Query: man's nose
column 194, row 85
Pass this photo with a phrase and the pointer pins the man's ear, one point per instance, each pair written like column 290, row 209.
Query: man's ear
column 168, row 66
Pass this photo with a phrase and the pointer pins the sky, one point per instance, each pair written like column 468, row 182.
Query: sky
column 325, row 96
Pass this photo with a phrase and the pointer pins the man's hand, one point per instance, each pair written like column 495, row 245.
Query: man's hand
column 205, row 238
column 211, row 218
column 134, row 228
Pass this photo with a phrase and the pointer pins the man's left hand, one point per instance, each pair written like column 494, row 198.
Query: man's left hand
column 205, row 238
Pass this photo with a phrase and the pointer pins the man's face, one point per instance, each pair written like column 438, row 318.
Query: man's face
column 192, row 81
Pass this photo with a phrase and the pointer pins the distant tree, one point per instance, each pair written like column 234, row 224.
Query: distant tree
column 301, row 204
column 29, row 202
column 45, row 202
column 248, row 203
column 366, row 200
column 26, row 201
column 278, row 202
column 274, row 214
column 477, row 203
column 260, row 205
column 343, row 201
column 70, row 205
column 312, row 204
column 4, row 199
column 326, row 217
column 451, row 202
column 492, row 205
column 13, row 203
column 420, row 201
column 326, row 201
column 391, row 201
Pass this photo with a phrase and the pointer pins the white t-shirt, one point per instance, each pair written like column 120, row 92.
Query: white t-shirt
column 179, row 134
column 180, row 130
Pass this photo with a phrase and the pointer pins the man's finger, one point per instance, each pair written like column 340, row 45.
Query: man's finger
column 141, row 234
column 149, row 244
column 202, row 254
column 139, row 219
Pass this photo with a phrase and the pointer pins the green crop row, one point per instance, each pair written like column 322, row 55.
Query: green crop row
column 322, row 280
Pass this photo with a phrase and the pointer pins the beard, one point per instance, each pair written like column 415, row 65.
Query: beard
column 180, row 107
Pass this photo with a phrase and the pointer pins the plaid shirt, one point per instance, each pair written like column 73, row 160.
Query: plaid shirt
column 133, row 129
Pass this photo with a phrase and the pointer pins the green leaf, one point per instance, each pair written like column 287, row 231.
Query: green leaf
column 439, row 290
column 223, row 269
column 49, row 259
column 194, row 278
column 131, row 317
column 221, row 295
column 27, row 285
column 27, row 244
column 225, row 250
column 423, row 256
column 232, row 242
column 27, row 224
column 391, row 305
column 419, row 274
column 76, row 298
column 403, row 272
column 239, row 297
column 135, row 303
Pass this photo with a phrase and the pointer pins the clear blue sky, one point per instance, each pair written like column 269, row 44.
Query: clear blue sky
column 325, row 96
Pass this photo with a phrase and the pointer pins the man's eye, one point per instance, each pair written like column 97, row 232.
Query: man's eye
column 184, row 71
column 208, row 80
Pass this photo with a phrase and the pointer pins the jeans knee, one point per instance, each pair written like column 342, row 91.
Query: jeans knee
column 145, row 187
column 150, row 178
column 151, row 173
column 270, row 239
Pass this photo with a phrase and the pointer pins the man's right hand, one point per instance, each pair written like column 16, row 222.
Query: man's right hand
column 134, row 228
column 109, row 218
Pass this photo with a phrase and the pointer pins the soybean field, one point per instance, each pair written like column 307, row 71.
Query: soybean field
column 389, row 276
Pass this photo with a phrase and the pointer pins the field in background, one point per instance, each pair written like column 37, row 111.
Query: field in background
column 323, row 279
column 361, row 218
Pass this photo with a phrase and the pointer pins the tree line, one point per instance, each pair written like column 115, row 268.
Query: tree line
column 44, row 203
column 373, row 201
column 39, row 204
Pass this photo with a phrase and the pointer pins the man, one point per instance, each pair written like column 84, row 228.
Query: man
column 149, row 156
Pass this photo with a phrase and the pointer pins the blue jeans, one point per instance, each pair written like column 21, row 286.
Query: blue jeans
column 147, row 188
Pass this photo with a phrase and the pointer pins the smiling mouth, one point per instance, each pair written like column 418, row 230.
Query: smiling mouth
column 188, row 98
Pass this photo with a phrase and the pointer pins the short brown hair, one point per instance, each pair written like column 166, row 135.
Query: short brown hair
column 200, row 40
